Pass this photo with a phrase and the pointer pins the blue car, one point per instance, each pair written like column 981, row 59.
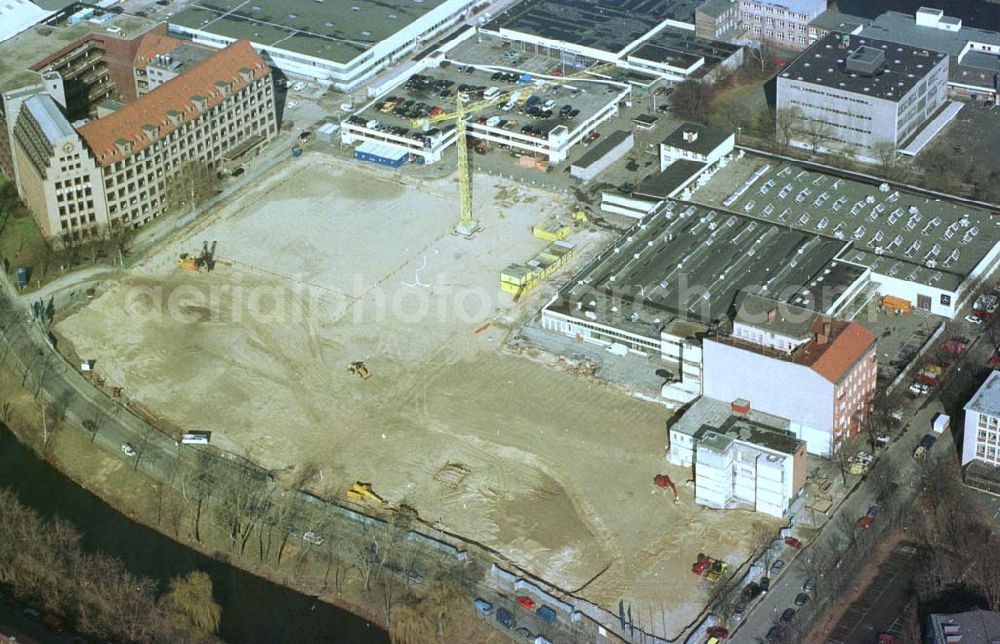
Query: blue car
column 505, row 617
column 483, row 607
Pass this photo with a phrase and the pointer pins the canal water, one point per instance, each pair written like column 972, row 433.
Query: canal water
column 253, row 609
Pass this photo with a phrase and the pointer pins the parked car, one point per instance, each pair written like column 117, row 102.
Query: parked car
column 717, row 631
column 546, row 613
column 527, row 602
column 765, row 584
column 483, row 607
column 864, row 522
column 777, row 566
column 751, row 591
column 788, row 615
column 774, row 634
column 311, row 537
column 505, row 617
column 128, row 450
column 739, row 610
column 973, row 319
column 801, row 599
column 792, row 542
column 872, row 511
column 525, row 633
column 53, row 624
column 32, row 613
column 810, row 585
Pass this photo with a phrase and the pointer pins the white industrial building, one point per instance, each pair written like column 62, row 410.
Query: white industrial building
column 695, row 142
column 343, row 43
column 741, row 457
column 601, row 156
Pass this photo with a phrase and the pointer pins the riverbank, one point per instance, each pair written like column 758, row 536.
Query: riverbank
column 126, row 515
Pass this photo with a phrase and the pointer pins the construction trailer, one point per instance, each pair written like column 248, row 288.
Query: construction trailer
column 381, row 154
column 518, row 279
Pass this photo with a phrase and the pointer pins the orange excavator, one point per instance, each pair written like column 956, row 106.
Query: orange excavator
column 663, row 481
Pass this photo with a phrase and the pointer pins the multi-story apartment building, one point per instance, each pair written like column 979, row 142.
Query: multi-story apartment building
column 784, row 23
column 827, row 382
column 114, row 172
column 852, row 93
column 717, row 20
column 982, row 424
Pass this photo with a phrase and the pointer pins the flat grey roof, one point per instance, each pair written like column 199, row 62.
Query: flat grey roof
column 50, row 118
column 690, row 262
column 778, row 317
column 597, row 152
column 681, row 47
column 987, row 399
column 713, row 413
column 833, row 20
column 607, row 25
column 902, row 28
column 662, row 184
column 824, row 64
column 707, row 138
column 336, row 30
column 897, row 233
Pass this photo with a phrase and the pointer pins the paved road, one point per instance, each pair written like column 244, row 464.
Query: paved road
column 834, row 537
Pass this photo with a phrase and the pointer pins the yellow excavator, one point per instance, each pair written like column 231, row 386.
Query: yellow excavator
column 362, row 492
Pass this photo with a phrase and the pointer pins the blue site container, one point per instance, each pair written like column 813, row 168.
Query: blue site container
column 22, row 276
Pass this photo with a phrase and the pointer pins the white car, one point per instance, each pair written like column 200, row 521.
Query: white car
column 313, row 538
column 973, row 319
column 128, row 450
column 298, row 86
column 291, row 105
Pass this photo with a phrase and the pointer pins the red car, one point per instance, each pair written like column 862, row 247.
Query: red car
column 717, row 631
column 792, row 542
column 993, row 362
column 864, row 522
column 527, row 602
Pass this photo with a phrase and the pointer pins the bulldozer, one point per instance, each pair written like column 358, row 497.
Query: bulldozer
column 360, row 369
column 362, row 492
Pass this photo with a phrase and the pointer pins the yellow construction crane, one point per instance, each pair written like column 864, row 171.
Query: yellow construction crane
column 467, row 226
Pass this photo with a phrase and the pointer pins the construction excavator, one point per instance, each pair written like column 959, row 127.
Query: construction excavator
column 663, row 481
column 360, row 369
column 362, row 492
column 197, row 261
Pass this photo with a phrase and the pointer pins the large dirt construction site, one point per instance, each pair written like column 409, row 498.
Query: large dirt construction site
column 327, row 262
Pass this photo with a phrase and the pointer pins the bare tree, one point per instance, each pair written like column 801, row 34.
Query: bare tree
column 243, row 501
column 192, row 184
column 788, row 122
column 199, row 483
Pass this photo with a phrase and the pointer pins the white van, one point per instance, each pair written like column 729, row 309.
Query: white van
column 196, row 438
column 491, row 92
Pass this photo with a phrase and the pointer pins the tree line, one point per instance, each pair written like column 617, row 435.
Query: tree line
column 43, row 563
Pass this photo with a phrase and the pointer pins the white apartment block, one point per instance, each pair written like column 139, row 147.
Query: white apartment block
column 982, row 424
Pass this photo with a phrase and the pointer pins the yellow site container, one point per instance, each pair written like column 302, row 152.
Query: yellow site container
column 550, row 231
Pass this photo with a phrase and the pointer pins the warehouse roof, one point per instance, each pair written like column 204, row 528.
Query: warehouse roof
column 696, row 138
column 828, row 63
column 712, row 413
column 160, row 111
column 987, row 399
column 607, row 25
column 690, row 262
column 900, row 234
column 597, row 152
column 337, row 30
column 681, row 48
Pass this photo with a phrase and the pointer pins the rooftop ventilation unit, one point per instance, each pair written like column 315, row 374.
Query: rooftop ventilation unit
column 866, row 61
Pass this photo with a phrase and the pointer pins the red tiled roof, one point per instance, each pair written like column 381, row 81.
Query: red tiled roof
column 129, row 123
column 849, row 344
column 154, row 43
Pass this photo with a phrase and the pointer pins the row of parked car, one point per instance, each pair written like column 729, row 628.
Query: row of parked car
column 775, row 633
column 52, row 623
column 505, row 617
